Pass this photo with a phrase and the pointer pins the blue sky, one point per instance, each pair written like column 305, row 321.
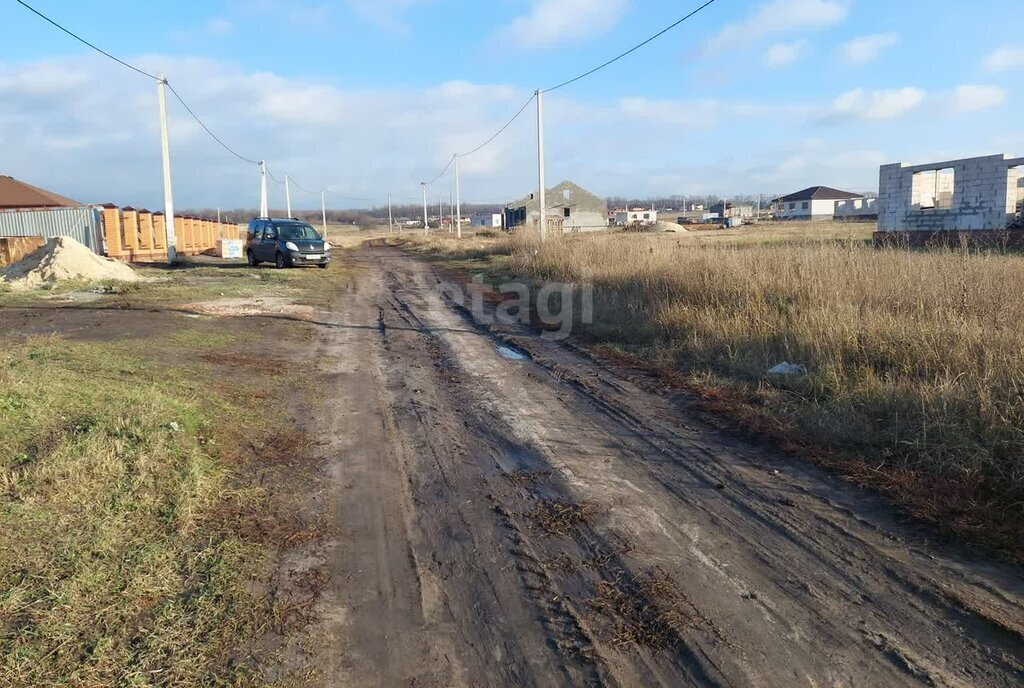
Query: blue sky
column 364, row 97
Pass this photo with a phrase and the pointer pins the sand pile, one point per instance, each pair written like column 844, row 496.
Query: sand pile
column 665, row 226
column 63, row 258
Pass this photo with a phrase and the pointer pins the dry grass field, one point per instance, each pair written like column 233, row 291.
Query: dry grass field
column 915, row 360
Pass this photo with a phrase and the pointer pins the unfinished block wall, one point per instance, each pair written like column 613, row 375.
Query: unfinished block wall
column 956, row 195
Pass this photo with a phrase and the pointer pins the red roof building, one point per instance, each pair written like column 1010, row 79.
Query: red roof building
column 16, row 195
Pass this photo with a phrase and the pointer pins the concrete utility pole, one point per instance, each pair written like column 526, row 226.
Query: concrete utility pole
column 218, row 215
column 288, row 195
column 323, row 210
column 426, row 222
column 440, row 212
column 264, row 211
column 540, row 166
column 458, row 200
column 391, row 222
column 165, row 151
column 451, row 208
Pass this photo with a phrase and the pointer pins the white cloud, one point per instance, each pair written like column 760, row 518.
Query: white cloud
column 554, row 21
column 1005, row 58
column 86, row 113
column 385, row 13
column 784, row 54
column 707, row 112
column 861, row 104
column 779, row 16
column 219, row 25
column 864, row 49
column 214, row 26
column 973, row 97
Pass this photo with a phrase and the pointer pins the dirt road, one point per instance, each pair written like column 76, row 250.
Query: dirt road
column 546, row 522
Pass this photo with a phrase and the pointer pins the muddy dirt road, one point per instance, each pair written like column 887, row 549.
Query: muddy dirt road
column 547, row 522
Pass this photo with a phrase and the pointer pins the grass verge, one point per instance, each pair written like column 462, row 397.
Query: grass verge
column 139, row 522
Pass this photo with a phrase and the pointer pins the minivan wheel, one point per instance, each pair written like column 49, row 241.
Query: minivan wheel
column 252, row 259
column 280, row 261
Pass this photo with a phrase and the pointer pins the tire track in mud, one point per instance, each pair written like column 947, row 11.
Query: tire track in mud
column 854, row 558
column 548, row 522
column 568, row 596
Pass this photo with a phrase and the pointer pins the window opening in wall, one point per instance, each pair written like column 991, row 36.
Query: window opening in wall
column 933, row 189
column 566, row 212
column 805, row 205
column 1017, row 173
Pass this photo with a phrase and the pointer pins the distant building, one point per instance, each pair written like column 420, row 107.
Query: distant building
column 489, row 220
column 18, row 195
column 623, row 218
column 857, row 209
column 813, row 203
column 737, row 211
column 570, row 208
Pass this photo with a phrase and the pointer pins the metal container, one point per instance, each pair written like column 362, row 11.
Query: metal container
column 84, row 224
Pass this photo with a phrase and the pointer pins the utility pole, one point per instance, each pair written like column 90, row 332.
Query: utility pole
column 440, row 213
column 540, row 166
column 323, row 211
column 165, row 151
column 391, row 223
column 458, row 200
column 264, row 211
column 451, row 208
column 288, row 195
column 218, row 215
column 426, row 222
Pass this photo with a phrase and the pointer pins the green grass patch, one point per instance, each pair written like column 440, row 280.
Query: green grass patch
column 115, row 571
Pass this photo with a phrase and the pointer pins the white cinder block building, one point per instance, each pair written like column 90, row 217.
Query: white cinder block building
column 636, row 216
column 953, row 196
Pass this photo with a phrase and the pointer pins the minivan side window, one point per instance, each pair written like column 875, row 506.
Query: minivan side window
column 270, row 232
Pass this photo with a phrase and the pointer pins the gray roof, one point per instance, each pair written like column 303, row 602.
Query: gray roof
column 555, row 198
column 819, row 193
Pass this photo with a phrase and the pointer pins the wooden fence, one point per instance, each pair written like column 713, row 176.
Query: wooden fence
column 139, row 236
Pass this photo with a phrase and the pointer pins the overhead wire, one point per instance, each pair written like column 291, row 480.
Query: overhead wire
column 207, row 129
column 499, row 132
column 143, row 73
column 441, row 173
column 82, row 40
column 632, row 50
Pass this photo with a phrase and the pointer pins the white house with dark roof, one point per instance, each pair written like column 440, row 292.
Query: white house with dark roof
column 813, row 203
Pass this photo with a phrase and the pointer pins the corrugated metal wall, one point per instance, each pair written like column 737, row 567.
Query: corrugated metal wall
column 84, row 224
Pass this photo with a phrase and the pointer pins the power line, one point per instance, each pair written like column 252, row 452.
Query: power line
column 299, row 186
column 271, row 174
column 142, row 72
column 628, row 52
column 82, row 40
column 485, row 143
column 206, row 128
column 441, row 173
column 500, row 131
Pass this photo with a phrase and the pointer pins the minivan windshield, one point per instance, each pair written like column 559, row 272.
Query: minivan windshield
column 297, row 232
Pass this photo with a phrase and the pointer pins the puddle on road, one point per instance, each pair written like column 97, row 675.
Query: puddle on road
column 512, row 353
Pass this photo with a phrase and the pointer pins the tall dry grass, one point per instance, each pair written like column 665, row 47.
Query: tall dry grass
column 917, row 357
column 915, row 360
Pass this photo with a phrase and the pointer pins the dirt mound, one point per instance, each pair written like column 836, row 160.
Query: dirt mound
column 666, row 226
column 63, row 258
